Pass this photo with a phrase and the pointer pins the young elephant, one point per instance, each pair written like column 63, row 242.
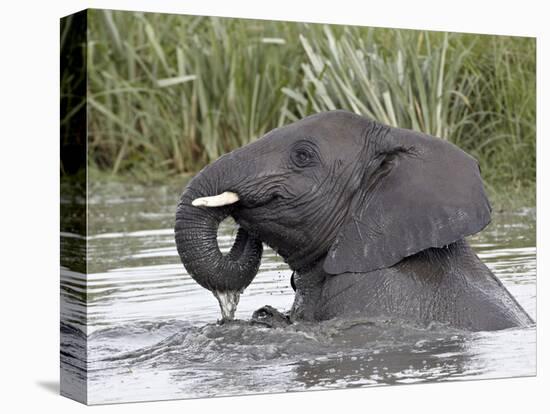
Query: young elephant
column 372, row 220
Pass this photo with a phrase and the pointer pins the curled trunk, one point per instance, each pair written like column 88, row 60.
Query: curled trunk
column 196, row 239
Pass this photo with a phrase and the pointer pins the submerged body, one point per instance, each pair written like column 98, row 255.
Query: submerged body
column 449, row 285
column 372, row 220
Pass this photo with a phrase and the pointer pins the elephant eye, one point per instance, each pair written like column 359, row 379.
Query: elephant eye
column 302, row 156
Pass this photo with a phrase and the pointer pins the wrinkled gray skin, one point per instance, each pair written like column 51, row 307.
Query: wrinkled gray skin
column 372, row 220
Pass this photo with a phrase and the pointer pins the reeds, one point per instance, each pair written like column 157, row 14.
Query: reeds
column 168, row 94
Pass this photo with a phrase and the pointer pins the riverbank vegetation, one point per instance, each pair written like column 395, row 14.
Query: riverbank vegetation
column 168, row 94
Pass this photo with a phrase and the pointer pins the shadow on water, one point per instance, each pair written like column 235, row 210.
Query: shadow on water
column 151, row 331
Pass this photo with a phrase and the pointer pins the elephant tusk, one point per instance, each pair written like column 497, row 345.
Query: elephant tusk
column 219, row 200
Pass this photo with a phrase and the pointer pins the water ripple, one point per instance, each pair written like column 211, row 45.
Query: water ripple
column 152, row 334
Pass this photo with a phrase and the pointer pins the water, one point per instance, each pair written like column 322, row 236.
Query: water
column 152, row 331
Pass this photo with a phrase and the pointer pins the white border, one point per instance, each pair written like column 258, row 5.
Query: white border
column 29, row 214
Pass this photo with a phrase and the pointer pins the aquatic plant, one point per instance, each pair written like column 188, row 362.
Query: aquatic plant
column 168, row 94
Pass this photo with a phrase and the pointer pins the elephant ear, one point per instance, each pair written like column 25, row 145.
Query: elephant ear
column 420, row 192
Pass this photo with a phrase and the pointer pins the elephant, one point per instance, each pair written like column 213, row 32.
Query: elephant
column 371, row 219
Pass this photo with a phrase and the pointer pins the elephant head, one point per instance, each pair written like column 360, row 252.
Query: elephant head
column 334, row 188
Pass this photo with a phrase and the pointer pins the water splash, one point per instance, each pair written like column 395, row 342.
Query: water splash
column 228, row 302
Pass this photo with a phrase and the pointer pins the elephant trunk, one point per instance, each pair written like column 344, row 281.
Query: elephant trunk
column 226, row 276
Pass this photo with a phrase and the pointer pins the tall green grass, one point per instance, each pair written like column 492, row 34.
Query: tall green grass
column 168, row 94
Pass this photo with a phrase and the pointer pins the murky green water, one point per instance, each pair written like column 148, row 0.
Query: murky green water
column 152, row 331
